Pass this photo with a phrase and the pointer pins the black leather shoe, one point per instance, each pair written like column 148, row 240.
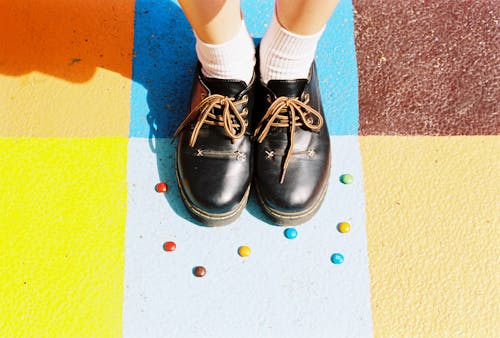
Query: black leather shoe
column 292, row 151
column 214, row 154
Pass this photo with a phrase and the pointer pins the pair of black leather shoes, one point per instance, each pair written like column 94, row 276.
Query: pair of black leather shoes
column 274, row 133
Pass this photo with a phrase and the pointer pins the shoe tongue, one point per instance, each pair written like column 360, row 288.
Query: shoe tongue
column 229, row 88
column 288, row 88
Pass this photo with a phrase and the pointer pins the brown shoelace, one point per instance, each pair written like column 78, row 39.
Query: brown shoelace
column 286, row 112
column 231, row 118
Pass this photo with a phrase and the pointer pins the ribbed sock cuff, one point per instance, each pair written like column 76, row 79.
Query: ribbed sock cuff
column 285, row 55
column 231, row 60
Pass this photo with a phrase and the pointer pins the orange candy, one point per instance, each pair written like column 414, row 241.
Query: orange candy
column 161, row 187
column 169, row 246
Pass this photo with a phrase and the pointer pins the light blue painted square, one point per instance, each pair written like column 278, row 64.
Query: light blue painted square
column 285, row 288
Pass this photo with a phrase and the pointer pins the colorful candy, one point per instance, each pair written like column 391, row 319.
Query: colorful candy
column 244, row 251
column 199, row 271
column 169, row 246
column 337, row 258
column 290, row 233
column 346, row 179
column 344, row 227
column 161, row 187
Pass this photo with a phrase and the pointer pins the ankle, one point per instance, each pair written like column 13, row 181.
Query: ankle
column 285, row 55
column 231, row 60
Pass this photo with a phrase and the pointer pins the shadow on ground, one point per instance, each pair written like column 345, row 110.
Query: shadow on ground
column 164, row 65
column 71, row 40
column 165, row 157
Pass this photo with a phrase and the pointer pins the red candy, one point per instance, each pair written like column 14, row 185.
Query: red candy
column 161, row 187
column 169, row 246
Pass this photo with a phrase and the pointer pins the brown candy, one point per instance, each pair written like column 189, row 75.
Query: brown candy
column 199, row 271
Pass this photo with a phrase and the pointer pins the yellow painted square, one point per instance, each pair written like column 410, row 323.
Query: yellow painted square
column 63, row 209
column 39, row 105
column 433, row 217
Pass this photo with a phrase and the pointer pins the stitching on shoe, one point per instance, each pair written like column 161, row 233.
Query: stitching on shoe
column 209, row 216
column 240, row 156
column 290, row 113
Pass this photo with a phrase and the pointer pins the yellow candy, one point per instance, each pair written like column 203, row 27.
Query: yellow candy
column 344, row 227
column 244, row 251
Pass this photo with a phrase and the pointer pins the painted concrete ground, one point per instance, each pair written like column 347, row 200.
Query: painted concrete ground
column 89, row 96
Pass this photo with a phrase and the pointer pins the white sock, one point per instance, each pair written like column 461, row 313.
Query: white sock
column 285, row 55
column 234, row 59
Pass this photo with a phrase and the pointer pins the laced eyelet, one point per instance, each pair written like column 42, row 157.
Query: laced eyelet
column 309, row 119
column 227, row 116
column 286, row 112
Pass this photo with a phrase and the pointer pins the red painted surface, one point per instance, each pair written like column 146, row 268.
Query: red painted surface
column 428, row 67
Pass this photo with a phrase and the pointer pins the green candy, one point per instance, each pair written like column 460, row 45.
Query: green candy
column 346, row 179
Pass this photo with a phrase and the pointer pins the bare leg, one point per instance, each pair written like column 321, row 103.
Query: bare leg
column 224, row 47
column 304, row 17
column 215, row 188
column 290, row 187
column 214, row 21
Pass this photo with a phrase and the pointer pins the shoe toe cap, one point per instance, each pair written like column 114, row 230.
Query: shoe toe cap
column 212, row 191
column 302, row 189
column 289, row 197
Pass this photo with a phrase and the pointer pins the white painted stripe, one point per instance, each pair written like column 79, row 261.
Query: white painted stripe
column 286, row 288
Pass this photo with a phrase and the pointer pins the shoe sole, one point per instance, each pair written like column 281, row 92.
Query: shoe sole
column 293, row 218
column 207, row 218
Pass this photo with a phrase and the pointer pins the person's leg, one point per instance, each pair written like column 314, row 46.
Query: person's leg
column 223, row 44
column 304, row 17
column 289, row 45
column 214, row 21
column 292, row 153
column 213, row 160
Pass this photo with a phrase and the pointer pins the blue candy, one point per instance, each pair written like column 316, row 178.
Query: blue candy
column 290, row 233
column 337, row 258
